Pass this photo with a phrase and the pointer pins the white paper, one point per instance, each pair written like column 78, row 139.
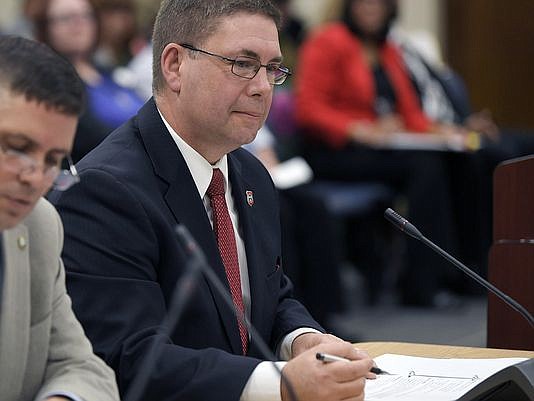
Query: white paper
column 291, row 173
column 424, row 141
column 423, row 379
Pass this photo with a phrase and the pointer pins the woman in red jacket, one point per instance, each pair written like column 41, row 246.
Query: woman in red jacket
column 352, row 91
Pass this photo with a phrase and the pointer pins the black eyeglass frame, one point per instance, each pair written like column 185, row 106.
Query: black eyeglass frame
column 284, row 70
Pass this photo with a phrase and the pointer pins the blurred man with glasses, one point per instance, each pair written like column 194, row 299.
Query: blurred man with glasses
column 179, row 161
column 44, row 354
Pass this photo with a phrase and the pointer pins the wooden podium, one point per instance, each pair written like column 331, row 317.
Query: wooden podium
column 511, row 258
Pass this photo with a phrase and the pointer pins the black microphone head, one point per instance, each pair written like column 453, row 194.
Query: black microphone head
column 402, row 224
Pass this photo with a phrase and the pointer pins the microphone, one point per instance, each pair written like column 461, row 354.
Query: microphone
column 404, row 225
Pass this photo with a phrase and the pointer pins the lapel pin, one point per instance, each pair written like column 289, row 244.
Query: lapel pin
column 21, row 242
column 250, row 198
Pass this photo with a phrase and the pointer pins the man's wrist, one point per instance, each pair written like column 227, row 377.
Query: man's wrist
column 285, row 349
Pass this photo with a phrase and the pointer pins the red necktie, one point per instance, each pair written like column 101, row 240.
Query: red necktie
column 224, row 232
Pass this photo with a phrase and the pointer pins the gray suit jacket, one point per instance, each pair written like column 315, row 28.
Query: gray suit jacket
column 43, row 347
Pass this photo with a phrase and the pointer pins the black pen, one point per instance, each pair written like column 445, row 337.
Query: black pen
column 334, row 358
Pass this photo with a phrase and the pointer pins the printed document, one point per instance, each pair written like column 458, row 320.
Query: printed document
column 422, row 379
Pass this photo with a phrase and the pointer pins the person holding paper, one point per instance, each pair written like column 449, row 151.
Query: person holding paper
column 352, row 93
column 179, row 161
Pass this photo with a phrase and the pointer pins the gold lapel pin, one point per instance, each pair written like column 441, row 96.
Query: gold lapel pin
column 22, row 243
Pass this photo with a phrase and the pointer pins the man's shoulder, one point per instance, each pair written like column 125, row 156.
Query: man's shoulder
column 249, row 164
column 45, row 229
column 42, row 215
column 244, row 156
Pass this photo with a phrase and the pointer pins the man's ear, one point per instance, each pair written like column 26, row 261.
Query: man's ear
column 171, row 61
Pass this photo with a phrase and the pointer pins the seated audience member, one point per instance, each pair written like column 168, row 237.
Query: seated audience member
column 117, row 33
column 179, row 161
column 444, row 98
column 70, row 28
column 352, row 92
column 44, row 354
column 292, row 33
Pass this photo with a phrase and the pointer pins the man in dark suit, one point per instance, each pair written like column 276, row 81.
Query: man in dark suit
column 215, row 64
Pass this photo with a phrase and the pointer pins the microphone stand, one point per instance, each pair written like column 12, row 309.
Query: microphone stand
column 404, row 225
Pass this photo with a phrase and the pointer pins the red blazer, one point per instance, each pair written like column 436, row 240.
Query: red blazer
column 335, row 86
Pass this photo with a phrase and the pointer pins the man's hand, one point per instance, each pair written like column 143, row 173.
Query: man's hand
column 309, row 340
column 313, row 380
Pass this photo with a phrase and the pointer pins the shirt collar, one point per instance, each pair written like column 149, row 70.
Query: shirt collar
column 200, row 168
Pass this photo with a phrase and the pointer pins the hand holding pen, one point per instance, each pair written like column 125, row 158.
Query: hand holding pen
column 334, row 358
column 318, row 381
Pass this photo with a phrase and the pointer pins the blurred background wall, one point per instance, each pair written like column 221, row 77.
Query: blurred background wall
column 491, row 44
column 8, row 11
column 488, row 42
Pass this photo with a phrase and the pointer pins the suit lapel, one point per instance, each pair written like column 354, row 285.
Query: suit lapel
column 185, row 204
column 15, row 312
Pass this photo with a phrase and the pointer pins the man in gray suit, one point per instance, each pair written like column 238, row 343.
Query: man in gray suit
column 44, row 354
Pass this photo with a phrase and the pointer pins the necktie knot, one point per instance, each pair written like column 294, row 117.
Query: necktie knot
column 216, row 186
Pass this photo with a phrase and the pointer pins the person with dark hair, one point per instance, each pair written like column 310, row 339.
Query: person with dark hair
column 179, row 161
column 352, row 93
column 71, row 27
column 44, row 354
column 117, row 34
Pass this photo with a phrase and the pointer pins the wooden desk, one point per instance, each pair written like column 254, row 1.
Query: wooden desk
column 439, row 351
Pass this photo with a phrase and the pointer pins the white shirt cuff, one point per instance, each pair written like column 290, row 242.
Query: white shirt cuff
column 284, row 348
column 264, row 383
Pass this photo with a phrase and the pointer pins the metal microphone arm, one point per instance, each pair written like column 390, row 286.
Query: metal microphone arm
column 405, row 226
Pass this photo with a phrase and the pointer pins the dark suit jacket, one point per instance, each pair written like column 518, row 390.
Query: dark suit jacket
column 123, row 262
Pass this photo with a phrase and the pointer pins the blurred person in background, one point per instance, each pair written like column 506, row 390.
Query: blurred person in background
column 292, row 32
column 352, row 92
column 118, row 33
column 71, row 28
column 444, row 97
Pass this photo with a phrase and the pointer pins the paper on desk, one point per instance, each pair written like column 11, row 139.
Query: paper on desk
column 458, row 377
column 291, row 173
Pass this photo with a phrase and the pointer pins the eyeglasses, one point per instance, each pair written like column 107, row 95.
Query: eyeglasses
column 19, row 162
column 248, row 67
